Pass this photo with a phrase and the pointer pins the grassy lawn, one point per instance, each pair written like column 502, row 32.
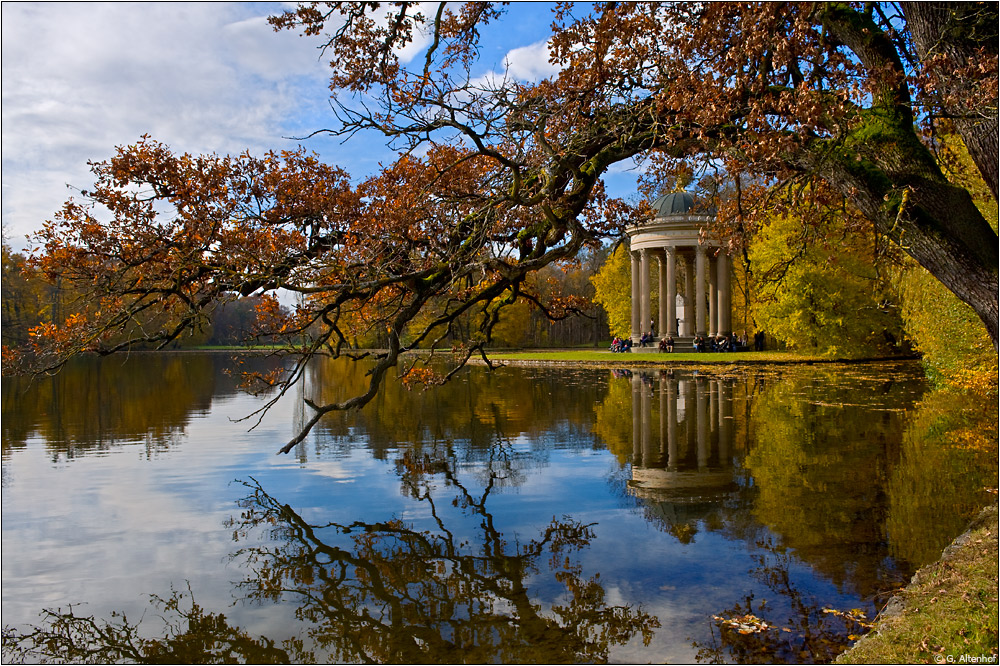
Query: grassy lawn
column 592, row 355
column 588, row 354
column 949, row 611
column 604, row 356
column 238, row 348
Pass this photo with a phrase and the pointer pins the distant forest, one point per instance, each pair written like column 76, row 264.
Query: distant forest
column 28, row 299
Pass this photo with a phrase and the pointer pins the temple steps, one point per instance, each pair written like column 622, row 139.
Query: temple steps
column 682, row 344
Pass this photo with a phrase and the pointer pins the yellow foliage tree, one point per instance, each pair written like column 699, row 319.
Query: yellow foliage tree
column 946, row 331
column 612, row 286
column 826, row 293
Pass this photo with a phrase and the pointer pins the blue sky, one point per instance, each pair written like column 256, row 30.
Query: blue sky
column 79, row 79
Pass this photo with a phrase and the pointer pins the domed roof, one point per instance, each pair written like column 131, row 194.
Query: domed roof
column 678, row 203
column 675, row 203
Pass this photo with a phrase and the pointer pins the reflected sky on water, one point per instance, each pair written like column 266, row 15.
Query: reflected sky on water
column 637, row 505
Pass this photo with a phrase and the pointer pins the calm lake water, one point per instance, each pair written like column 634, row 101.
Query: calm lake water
column 525, row 515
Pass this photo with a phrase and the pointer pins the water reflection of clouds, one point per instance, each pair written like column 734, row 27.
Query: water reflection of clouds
column 110, row 521
column 108, row 528
column 332, row 470
column 678, row 582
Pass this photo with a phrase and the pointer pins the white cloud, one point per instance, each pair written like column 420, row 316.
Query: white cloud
column 530, row 63
column 81, row 78
column 525, row 64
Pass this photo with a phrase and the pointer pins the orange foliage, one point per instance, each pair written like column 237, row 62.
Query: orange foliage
column 421, row 376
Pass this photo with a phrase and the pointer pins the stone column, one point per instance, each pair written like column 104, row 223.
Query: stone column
column 672, row 391
column 725, row 420
column 663, row 324
column 725, row 295
column 713, row 298
column 699, row 291
column 644, row 290
column 671, row 260
column 701, row 417
column 649, row 452
column 636, row 420
column 635, row 294
column 689, row 307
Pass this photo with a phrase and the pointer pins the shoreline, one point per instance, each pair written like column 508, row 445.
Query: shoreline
column 567, row 357
column 947, row 613
column 665, row 360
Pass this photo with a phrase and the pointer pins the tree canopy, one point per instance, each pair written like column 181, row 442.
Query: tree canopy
column 498, row 178
column 828, row 295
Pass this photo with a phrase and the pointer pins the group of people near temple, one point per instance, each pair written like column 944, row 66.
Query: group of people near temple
column 621, row 345
column 718, row 343
column 702, row 343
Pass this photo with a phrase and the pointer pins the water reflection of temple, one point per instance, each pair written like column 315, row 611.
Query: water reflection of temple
column 682, row 441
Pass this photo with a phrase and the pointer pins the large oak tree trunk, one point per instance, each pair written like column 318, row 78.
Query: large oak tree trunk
column 941, row 228
column 898, row 186
column 884, row 168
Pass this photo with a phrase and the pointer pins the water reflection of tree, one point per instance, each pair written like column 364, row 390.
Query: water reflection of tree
column 825, row 444
column 534, row 404
column 389, row 592
column 189, row 636
column 458, row 591
column 807, row 483
column 96, row 403
column 946, row 473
